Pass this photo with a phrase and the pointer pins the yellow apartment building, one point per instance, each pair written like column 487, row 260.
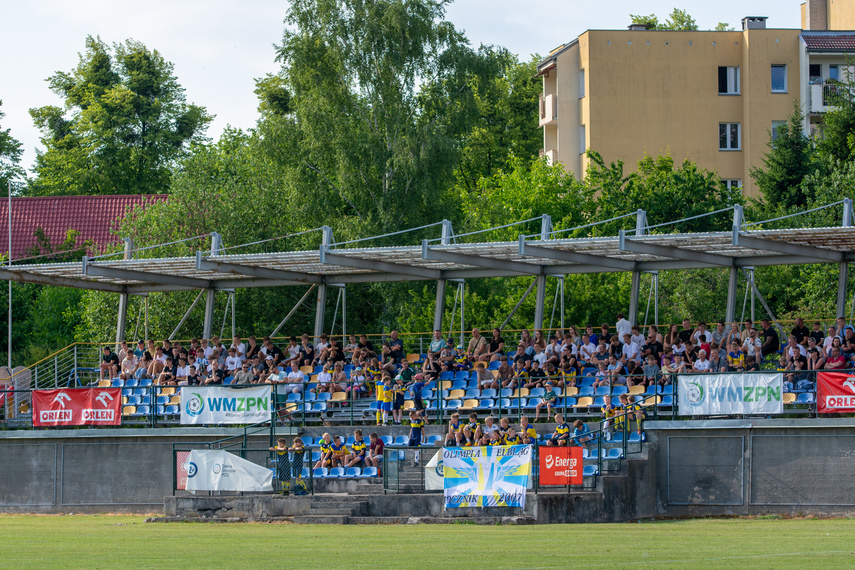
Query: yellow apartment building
column 712, row 97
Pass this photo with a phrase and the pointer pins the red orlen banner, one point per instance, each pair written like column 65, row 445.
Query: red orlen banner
column 560, row 465
column 77, row 407
column 835, row 393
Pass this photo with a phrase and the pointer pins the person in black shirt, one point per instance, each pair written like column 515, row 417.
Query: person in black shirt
column 252, row 348
column 817, row 334
column 497, row 346
column 275, row 352
column 687, row 332
column 771, row 343
column 216, row 376
column 169, row 374
column 604, row 329
column 109, row 364
column 366, row 347
column 801, row 332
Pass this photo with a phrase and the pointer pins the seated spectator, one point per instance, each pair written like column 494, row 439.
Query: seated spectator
column 486, row 380
column 129, row 366
column 375, row 452
column 553, row 351
column 357, row 384
column 432, row 367
column 325, row 382
column 393, row 352
column 454, row 436
column 182, row 370
column 339, row 451
column 144, row 365
column 296, row 379
column 816, row 334
column 651, row 371
column 630, row 350
column 616, row 347
column 321, row 350
column 836, row 361
column 561, row 436
column 307, row 352
column 536, row 376
column 274, row 351
column 601, row 355
column 816, row 359
column 616, row 371
column 735, row 358
column 511, row 437
column 167, row 376
column 581, row 434
column 718, row 360
column 339, row 378
column 233, row 361
column 793, row 349
column 750, row 364
column 800, row 331
column 520, row 355
column 495, row 347
column 215, row 376
column 326, row 452
column 505, row 371
column 244, row 375
column 351, row 350
column 472, row 431
column 601, row 377
column 527, row 432
column 771, row 343
column 436, row 344
column 358, row 451
column 701, row 364
column 679, row 366
column 548, row 401
column 292, row 352
column 252, row 348
column 109, row 364
column 334, row 351
column 848, row 343
column 668, row 370
column 585, row 353
column 276, row 376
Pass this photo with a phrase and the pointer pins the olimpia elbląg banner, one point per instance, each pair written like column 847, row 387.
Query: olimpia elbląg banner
column 494, row 476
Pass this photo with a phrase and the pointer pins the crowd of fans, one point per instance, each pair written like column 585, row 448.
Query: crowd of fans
column 625, row 357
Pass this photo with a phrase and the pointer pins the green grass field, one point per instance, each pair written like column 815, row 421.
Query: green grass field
column 126, row 541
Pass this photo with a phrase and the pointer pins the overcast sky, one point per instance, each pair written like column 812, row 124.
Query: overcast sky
column 219, row 47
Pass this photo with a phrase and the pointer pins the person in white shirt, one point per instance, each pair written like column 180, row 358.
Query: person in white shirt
column 630, row 349
column 233, row 362
column 702, row 334
column 794, row 349
column 553, row 351
column 129, row 366
column 587, row 350
column 752, row 343
column 240, row 348
column 539, row 355
column 207, row 348
column 296, row 378
column 276, row 376
column 636, row 336
column 324, row 380
column 826, row 344
column 701, row 363
column 623, row 326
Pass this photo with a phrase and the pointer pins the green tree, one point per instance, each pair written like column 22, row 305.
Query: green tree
column 789, row 160
column 837, row 140
column 678, row 20
column 124, row 125
column 10, row 155
column 723, row 27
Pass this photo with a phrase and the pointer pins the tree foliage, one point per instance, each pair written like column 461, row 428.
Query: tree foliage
column 10, row 155
column 679, row 20
column 124, row 125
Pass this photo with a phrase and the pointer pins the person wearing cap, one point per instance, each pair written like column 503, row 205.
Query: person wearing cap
column 549, row 399
column 140, row 349
column 398, row 389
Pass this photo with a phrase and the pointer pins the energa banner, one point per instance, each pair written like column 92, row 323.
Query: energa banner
column 77, row 407
column 222, row 405
column 217, row 470
column 560, row 465
column 494, row 476
column 835, row 393
column 714, row 394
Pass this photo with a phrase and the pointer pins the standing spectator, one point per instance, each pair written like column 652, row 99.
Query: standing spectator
column 623, row 326
column 109, row 364
column 800, row 331
column 771, row 343
column 436, row 344
column 687, row 332
column 816, row 334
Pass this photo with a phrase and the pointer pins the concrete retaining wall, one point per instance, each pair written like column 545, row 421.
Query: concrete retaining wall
column 753, row 467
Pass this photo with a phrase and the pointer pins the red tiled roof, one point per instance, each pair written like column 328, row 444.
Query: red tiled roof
column 837, row 42
column 93, row 216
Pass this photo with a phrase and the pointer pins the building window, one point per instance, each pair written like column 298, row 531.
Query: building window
column 815, row 71
column 834, row 72
column 581, row 83
column 728, row 81
column 732, row 184
column 728, row 136
column 778, row 125
column 582, row 139
column 779, row 79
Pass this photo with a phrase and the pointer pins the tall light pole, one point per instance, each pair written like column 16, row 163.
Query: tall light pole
column 9, row 338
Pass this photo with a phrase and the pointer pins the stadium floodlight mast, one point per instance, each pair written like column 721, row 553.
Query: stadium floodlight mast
column 9, row 332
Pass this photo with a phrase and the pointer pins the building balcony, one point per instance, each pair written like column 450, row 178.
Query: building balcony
column 824, row 96
column 548, row 110
column 551, row 156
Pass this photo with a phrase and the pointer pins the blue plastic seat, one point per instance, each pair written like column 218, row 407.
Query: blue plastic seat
column 558, row 391
column 318, row 370
column 472, row 385
column 348, row 367
column 805, row 398
column 432, row 439
column 320, row 472
column 309, row 397
column 471, row 395
column 505, row 403
column 142, row 411
column 446, row 375
column 599, row 402
column 590, row 471
column 131, row 382
column 127, row 392
column 118, row 383
column 589, row 370
column 145, row 383
column 506, row 393
column 162, row 400
column 133, row 401
column 585, row 381
column 145, row 400
column 585, row 454
column 618, row 390
column 617, row 437
column 667, row 401
column 353, row 472
column 459, row 385
column 387, row 439
column 532, row 403
column 537, row 393
column 602, row 391
column 494, row 365
column 401, row 440
column 613, row 453
column 373, row 407
column 430, row 385
column 461, row 375
column 350, row 440
column 323, row 397
column 160, row 410
column 316, row 456
column 586, row 391
column 453, row 404
column 569, row 402
column 486, row 404
column 141, row 391
column 635, row 438
column 228, row 380
column 615, row 401
column 294, row 398
column 651, row 390
column 489, row 393
column 368, row 472
column 171, row 410
column 336, row 472
column 427, row 393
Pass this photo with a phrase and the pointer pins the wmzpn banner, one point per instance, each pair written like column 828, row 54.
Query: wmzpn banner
column 77, row 407
column 220, row 405
column 726, row 394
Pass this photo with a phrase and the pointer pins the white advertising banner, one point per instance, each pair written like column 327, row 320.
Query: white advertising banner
column 434, row 480
column 222, row 405
column 725, row 394
column 217, row 470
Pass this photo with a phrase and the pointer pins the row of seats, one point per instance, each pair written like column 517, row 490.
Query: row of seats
column 140, row 411
column 342, row 473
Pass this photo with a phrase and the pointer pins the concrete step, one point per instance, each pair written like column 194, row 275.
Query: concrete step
column 322, row 519
column 378, row 520
column 344, row 512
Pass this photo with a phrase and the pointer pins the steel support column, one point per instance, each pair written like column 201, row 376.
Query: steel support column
column 122, row 318
column 540, row 295
column 211, row 293
column 731, row 295
column 321, row 305
column 843, row 274
column 635, row 286
column 439, row 305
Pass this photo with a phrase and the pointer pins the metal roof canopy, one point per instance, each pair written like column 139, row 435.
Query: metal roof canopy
column 540, row 255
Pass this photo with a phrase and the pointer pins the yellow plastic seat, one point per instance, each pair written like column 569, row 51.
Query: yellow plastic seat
column 634, row 390
column 175, row 400
column 129, row 410
column 651, row 400
column 339, row 397
column 480, row 364
column 456, row 395
column 413, row 358
column 409, row 405
column 495, row 373
column 306, row 369
column 571, row 391
column 167, row 391
column 584, row 402
column 446, row 385
column 469, row 404
column 124, row 400
column 104, row 383
column 520, row 393
column 789, row 398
